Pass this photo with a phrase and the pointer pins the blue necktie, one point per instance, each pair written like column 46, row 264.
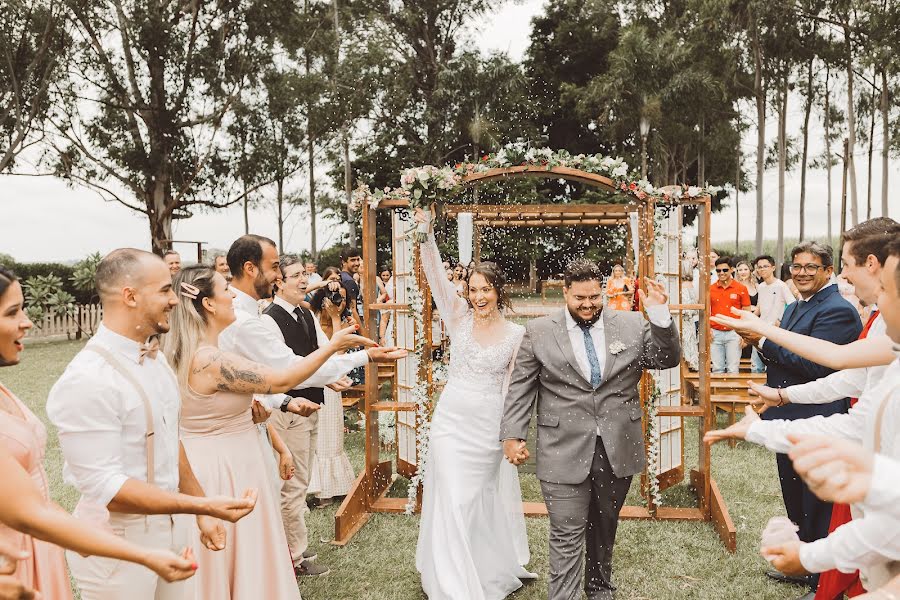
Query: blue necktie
column 591, row 354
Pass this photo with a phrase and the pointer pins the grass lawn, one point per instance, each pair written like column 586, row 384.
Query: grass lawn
column 653, row 560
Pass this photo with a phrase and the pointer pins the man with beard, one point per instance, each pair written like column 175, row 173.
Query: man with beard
column 116, row 408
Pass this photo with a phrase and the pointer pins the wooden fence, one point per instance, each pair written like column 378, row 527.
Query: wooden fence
column 84, row 321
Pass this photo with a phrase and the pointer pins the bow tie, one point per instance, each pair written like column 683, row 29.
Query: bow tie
column 149, row 349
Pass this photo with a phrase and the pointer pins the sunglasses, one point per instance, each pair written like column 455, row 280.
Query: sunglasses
column 723, row 270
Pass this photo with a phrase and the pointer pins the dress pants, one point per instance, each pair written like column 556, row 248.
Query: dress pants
column 300, row 435
column 100, row 578
column 590, row 510
column 812, row 516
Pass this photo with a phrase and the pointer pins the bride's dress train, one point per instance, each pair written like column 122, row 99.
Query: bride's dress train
column 472, row 540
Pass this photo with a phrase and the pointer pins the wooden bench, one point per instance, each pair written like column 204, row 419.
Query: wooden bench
column 351, row 397
column 730, row 404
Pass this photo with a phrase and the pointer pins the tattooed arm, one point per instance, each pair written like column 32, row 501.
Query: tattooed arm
column 214, row 370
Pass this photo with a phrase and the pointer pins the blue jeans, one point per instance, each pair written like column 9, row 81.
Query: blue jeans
column 725, row 351
column 756, row 362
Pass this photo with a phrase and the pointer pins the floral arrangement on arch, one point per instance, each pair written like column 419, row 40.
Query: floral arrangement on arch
column 426, row 185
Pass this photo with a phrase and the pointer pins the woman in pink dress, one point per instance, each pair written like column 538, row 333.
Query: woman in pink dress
column 222, row 442
column 26, row 506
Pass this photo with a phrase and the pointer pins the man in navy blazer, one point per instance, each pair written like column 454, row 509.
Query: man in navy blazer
column 821, row 313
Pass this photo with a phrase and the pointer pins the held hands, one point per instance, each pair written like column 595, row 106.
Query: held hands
column 171, row 566
column 655, row 294
column 836, row 470
column 515, row 451
column 738, row 431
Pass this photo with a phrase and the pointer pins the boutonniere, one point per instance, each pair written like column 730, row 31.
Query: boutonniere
column 616, row 347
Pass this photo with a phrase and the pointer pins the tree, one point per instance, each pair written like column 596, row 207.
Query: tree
column 33, row 42
column 152, row 89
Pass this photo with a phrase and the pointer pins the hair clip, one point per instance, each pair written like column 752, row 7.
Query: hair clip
column 189, row 291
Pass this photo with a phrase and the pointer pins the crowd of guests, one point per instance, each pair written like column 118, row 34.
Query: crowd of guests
column 830, row 410
column 191, row 420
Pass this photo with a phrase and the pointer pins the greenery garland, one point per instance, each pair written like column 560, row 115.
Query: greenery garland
column 653, row 498
column 420, row 395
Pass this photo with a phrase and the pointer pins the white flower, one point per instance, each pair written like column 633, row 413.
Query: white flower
column 620, row 171
column 693, row 191
column 616, row 347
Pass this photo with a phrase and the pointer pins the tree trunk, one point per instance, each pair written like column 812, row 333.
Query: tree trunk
column 760, row 93
column 782, row 164
column 701, row 155
column 807, row 111
column 886, row 141
column 828, row 158
column 851, row 130
column 532, row 274
column 246, row 212
column 279, row 201
column 313, row 246
column 737, row 204
column 345, row 136
column 871, row 150
column 160, row 216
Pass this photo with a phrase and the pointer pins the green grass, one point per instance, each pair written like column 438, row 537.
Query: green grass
column 653, row 560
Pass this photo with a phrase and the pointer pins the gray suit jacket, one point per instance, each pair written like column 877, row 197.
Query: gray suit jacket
column 570, row 411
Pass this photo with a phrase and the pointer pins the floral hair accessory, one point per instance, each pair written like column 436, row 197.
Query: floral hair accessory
column 189, row 291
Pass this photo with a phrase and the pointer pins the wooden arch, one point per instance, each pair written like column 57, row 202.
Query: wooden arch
column 367, row 495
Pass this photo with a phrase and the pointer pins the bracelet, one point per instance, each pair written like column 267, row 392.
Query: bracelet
column 781, row 401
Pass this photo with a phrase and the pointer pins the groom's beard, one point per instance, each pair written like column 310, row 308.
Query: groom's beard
column 590, row 321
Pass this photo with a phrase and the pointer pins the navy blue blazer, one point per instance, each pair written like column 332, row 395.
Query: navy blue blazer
column 826, row 316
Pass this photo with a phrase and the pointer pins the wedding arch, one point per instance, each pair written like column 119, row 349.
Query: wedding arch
column 654, row 219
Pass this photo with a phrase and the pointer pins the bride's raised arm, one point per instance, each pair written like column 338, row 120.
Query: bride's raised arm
column 449, row 304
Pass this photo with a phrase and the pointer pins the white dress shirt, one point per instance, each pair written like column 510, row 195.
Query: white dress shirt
column 313, row 278
column 101, row 422
column 884, row 493
column 772, row 299
column 848, row 383
column 659, row 315
column 871, row 539
column 250, row 336
column 763, row 339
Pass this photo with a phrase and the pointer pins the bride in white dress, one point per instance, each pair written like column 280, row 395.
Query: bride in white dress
column 472, row 541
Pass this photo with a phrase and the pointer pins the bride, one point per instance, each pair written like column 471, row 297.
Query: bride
column 472, row 542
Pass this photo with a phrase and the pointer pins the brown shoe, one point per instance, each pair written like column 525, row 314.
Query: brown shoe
column 310, row 569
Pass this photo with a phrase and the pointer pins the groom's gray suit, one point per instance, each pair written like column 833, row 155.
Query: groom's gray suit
column 589, row 441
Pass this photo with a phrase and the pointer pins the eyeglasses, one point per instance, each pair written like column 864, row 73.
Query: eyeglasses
column 809, row 269
column 723, row 270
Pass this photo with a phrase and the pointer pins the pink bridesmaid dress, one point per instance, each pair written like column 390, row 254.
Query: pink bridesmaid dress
column 25, row 438
column 224, row 449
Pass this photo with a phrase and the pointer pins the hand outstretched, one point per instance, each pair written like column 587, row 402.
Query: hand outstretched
column 738, row 431
column 655, row 295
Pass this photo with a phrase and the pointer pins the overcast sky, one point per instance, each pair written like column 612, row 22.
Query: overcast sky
column 45, row 220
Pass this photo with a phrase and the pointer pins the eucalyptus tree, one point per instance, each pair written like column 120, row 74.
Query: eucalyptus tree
column 152, row 86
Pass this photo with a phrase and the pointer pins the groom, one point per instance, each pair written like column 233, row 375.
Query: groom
column 582, row 366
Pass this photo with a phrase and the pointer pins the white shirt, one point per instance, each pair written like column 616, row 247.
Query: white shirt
column 100, row 419
column 763, row 339
column 313, row 278
column 249, row 336
column 772, row 299
column 884, row 493
column 871, row 539
column 659, row 315
column 848, row 383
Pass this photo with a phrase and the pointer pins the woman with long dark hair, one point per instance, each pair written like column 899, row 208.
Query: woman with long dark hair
column 472, row 542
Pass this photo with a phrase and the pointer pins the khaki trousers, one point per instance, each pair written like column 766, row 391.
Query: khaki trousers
column 300, row 435
column 101, row 578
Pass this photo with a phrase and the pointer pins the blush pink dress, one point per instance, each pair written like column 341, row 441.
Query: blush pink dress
column 224, row 449
column 25, row 438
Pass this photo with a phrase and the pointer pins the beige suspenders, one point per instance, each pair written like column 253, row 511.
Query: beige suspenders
column 148, row 409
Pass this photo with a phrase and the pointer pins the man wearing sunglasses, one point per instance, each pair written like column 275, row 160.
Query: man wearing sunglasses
column 822, row 313
column 725, row 294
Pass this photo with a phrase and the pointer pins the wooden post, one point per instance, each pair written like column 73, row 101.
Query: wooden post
column 707, row 421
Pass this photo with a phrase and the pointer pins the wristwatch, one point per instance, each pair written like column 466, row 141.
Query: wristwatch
column 284, row 405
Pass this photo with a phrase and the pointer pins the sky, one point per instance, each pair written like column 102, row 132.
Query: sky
column 46, row 220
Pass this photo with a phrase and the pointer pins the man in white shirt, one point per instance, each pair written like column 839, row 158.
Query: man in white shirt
column 116, row 408
column 870, row 542
column 773, row 296
column 255, row 268
column 312, row 276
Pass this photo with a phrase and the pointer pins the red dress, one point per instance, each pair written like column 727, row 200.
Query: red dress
column 25, row 438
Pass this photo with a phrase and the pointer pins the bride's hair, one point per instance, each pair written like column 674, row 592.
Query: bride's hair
column 494, row 276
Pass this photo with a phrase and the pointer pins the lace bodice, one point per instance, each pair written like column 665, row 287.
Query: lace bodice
column 487, row 365
column 470, row 362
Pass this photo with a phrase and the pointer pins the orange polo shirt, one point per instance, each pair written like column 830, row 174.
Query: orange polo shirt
column 722, row 299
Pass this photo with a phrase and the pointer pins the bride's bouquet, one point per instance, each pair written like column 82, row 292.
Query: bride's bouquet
column 425, row 186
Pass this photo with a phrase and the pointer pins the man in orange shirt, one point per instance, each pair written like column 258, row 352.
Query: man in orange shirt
column 725, row 294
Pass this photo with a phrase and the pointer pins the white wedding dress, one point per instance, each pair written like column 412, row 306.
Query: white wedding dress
column 472, row 541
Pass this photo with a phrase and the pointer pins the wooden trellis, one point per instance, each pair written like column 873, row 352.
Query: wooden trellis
column 367, row 495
